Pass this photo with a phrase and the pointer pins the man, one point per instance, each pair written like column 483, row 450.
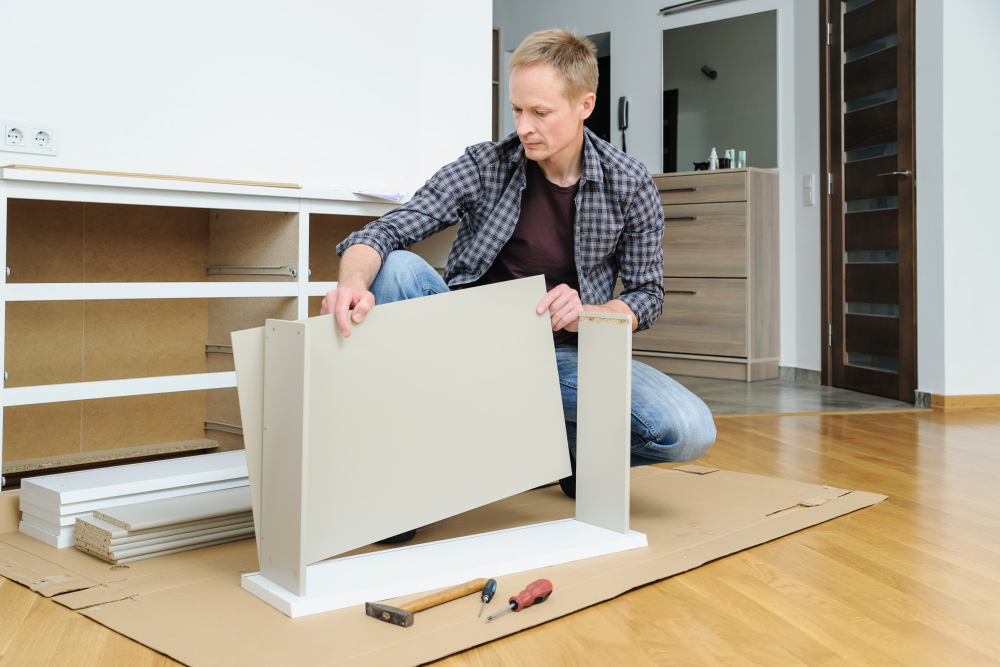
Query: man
column 551, row 199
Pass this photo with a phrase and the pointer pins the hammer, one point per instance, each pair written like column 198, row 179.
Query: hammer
column 403, row 615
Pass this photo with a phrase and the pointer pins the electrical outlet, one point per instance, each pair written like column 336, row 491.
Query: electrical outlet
column 13, row 136
column 37, row 138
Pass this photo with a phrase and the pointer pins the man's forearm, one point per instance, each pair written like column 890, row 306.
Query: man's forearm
column 614, row 306
column 359, row 266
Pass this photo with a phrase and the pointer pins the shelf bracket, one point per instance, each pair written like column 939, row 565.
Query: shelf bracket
column 225, row 428
column 222, row 349
column 288, row 270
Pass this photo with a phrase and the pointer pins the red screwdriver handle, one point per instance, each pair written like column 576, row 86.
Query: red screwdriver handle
column 536, row 593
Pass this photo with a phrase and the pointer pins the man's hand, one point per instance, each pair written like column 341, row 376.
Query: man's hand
column 341, row 300
column 564, row 305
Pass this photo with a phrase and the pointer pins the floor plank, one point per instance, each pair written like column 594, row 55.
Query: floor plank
column 912, row 581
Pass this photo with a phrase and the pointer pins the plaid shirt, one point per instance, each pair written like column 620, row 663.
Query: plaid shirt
column 619, row 221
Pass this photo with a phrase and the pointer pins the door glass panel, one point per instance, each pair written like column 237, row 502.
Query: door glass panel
column 873, row 152
column 876, row 204
column 880, row 44
column 881, row 309
column 873, row 361
column 873, row 257
column 871, row 100
column 854, row 4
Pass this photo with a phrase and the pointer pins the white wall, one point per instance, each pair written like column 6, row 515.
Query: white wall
column 958, row 225
column 326, row 94
column 636, row 49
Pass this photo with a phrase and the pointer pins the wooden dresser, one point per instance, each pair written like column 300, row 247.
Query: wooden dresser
column 720, row 277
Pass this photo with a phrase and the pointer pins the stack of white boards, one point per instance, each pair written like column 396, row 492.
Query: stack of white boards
column 50, row 505
column 129, row 533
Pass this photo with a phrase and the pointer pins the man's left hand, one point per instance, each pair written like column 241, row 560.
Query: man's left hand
column 564, row 305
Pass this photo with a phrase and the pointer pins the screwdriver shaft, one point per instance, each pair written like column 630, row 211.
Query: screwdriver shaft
column 507, row 608
column 481, row 609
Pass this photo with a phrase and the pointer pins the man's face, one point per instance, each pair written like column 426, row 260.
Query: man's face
column 547, row 122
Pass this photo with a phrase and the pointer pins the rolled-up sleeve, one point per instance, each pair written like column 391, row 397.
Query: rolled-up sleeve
column 640, row 255
column 441, row 202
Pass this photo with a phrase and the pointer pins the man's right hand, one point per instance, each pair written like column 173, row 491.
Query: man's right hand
column 340, row 301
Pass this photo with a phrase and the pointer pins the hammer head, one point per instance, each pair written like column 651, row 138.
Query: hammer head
column 394, row 615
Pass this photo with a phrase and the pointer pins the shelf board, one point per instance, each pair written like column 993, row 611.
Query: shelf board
column 82, row 391
column 178, row 290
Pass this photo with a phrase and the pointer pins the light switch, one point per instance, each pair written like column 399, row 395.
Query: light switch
column 808, row 196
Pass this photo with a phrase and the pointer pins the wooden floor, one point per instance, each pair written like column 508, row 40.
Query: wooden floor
column 912, row 581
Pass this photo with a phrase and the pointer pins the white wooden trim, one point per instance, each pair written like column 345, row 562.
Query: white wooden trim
column 74, row 487
column 89, row 506
column 47, row 526
column 381, row 575
column 303, row 278
column 48, row 515
column 320, row 288
column 180, row 509
column 57, row 541
column 84, row 391
column 102, row 291
column 3, row 295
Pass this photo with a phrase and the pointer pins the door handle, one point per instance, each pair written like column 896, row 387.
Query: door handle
column 903, row 175
column 678, row 291
column 684, row 218
column 680, row 190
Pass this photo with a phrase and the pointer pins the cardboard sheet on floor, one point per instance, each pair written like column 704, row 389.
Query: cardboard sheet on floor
column 166, row 603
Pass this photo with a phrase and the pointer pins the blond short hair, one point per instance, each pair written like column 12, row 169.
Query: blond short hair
column 574, row 57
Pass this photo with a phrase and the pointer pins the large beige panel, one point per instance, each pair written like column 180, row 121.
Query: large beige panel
column 133, row 338
column 423, row 398
column 604, row 421
column 127, row 243
column 35, row 431
column 252, row 238
column 128, row 421
column 44, row 342
column 325, row 232
column 45, row 241
column 248, row 353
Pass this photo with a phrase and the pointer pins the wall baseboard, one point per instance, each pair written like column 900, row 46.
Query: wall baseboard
column 972, row 401
column 799, row 374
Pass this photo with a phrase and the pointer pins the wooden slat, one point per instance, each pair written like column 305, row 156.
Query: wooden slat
column 703, row 187
column 871, row 230
column 870, row 381
column 705, row 240
column 869, row 75
column 872, row 126
column 871, row 334
column 862, row 180
column 872, row 283
column 869, row 22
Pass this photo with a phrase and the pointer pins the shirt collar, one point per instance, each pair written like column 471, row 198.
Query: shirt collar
column 591, row 162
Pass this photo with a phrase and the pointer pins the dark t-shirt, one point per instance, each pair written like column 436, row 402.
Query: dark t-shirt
column 543, row 239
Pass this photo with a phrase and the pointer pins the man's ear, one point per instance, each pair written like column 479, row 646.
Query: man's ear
column 587, row 105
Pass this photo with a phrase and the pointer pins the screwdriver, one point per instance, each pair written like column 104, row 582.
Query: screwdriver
column 536, row 592
column 489, row 590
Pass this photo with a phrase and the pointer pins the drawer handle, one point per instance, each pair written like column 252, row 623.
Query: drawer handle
column 680, row 190
column 684, row 218
column 678, row 291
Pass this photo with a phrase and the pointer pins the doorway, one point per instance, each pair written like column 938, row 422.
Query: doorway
column 600, row 121
column 867, row 123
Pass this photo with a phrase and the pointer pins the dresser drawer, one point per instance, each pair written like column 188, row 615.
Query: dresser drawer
column 705, row 240
column 709, row 186
column 700, row 316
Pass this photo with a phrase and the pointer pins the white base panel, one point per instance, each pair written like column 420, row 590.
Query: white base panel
column 42, row 535
column 344, row 582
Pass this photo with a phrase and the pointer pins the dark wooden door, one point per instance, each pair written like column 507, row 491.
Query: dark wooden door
column 869, row 235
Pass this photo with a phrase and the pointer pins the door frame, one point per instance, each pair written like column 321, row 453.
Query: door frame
column 832, row 201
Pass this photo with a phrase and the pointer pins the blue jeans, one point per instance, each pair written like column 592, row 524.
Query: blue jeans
column 669, row 423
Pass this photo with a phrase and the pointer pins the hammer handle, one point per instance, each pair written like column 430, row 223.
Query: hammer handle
column 447, row 595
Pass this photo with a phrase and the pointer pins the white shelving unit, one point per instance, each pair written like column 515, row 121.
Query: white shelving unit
column 24, row 184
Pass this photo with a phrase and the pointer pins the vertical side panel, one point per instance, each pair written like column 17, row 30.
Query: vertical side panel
column 248, row 358
column 604, row 411
column 303, row 277
column 285, row 459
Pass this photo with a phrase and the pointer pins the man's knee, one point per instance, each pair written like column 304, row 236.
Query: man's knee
column 401, row 277
column 695, row 434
